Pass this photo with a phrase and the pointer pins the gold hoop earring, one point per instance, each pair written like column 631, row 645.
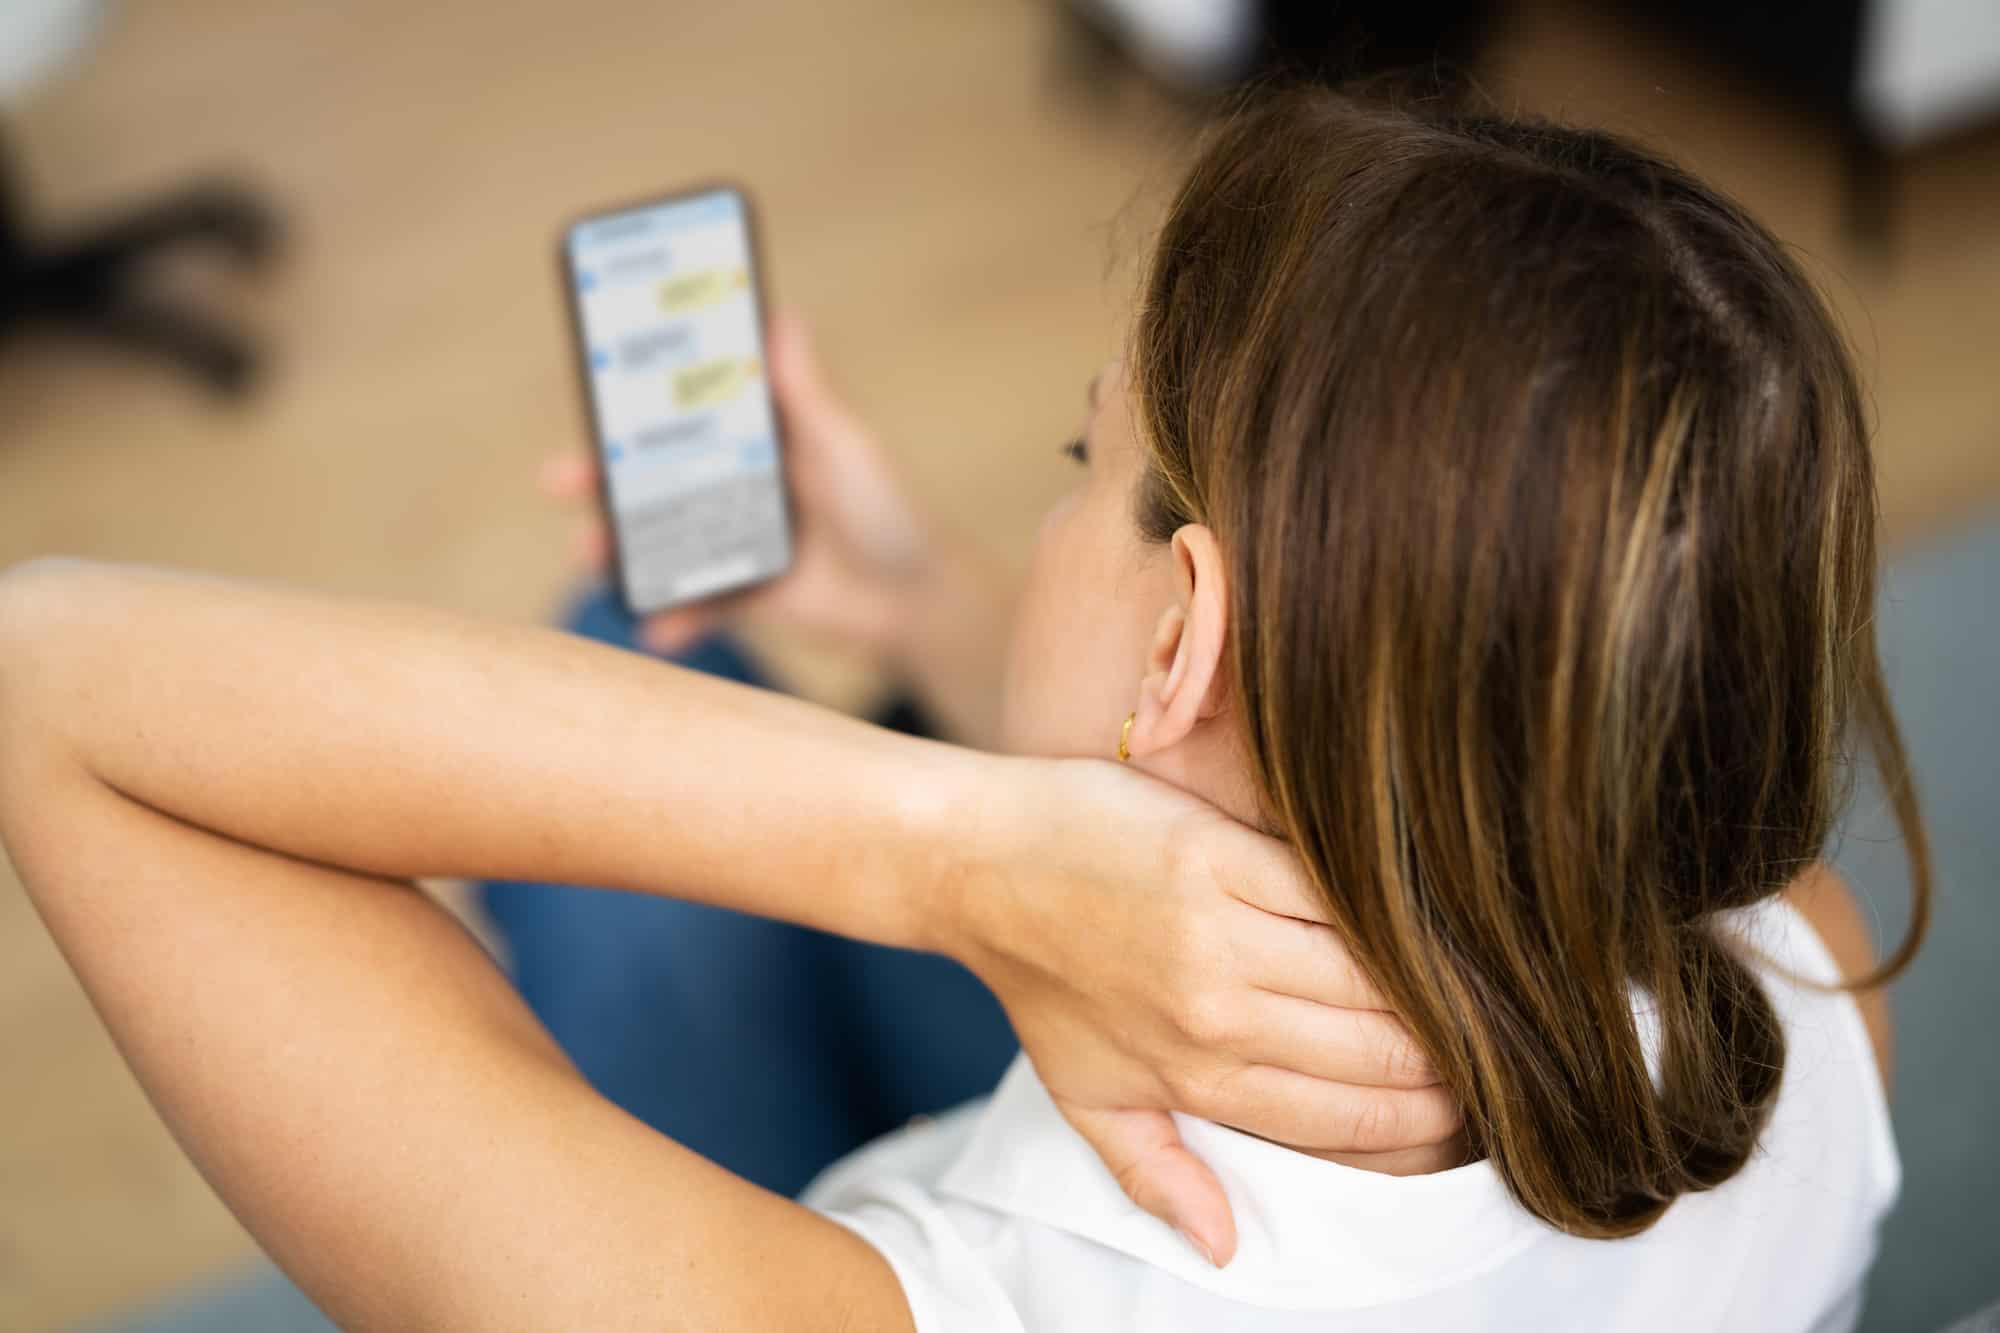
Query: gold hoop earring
column 1125, row 737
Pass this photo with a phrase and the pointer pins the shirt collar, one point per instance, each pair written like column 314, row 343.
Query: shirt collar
column 1311, row 1234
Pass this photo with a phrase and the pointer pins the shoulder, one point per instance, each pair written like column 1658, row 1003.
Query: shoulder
column 919, row 1153
column 888, row 1192
column 1830, row 907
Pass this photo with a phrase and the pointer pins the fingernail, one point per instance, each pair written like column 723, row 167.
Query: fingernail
column 1199, row 1247
column 662, row 640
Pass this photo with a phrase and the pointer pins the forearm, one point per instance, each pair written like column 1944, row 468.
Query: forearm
column 405, row 742
column 951, row 643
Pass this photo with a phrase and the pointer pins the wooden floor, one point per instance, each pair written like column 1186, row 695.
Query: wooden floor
column 958, row 219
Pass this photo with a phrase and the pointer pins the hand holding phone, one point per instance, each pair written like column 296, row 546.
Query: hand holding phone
column 860, row 545
column 671, row 341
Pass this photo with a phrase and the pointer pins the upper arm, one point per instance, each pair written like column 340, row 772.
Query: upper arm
column 1829, row 906
column 369, row 1095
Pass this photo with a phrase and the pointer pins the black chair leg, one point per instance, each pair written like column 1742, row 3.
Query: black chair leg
column 223, row 359
column 92, row 281
column 212, row 213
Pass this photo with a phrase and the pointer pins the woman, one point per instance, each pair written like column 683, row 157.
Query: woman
column 1482, row 508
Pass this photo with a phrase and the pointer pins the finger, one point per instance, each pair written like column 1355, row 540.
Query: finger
column 1144, row 1152
column 795, row 378
column 1360, row 1047
column 568, row 476
column 591, row 547
column 823, row 433
column 676, row 631
column 794, row 364
column 1306, row 1112
column 1267, row 874
column 671, row 633
column 1288, row 956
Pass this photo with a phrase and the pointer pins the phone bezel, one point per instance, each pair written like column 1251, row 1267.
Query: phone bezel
column 753, row 247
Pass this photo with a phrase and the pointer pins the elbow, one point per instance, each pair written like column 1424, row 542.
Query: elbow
column 41, row 569
column 30, row 591
column 36, row 597
column 31, row 582
column 44, row 605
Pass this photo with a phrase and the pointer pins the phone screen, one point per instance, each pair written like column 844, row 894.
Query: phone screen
column 673, row 351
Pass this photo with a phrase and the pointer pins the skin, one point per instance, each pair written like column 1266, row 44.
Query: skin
column 1829, row 905
column 218, row 793
column 219, row 833
column 871, row 572
column 1155, row 648
column 1045, row 669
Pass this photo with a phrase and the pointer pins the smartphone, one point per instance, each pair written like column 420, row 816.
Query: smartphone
column 670, row 337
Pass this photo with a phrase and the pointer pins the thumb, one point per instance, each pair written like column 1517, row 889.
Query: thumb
column 670, row 633
column 1144, row 1151
column 819, row 423
column 795, row 371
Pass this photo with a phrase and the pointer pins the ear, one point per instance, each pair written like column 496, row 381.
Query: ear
column 1184, row 680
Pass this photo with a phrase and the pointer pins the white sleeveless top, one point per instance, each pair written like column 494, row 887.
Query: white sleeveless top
column 998, row 1219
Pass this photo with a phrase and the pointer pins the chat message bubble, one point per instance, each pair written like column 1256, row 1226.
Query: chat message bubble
column 713, row 382
column 666, row 344
column 681, row 431
column 635, row 265
column 694, row 291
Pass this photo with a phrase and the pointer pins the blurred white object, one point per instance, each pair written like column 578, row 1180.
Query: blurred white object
column 1186, row 41
column 1927, row 67
column 39, row 37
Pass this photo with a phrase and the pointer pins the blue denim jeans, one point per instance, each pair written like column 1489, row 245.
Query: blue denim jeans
column 767, row 1048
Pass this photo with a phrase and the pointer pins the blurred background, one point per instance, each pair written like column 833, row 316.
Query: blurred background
column 279, row 297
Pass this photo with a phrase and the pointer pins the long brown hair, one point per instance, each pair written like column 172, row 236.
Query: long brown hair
column 1544, row 479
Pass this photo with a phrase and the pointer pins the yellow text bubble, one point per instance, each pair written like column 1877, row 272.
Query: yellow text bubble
column 692, row 291
column 713, row 382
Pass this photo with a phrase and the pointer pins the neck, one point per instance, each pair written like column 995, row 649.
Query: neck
column 1213, row 763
